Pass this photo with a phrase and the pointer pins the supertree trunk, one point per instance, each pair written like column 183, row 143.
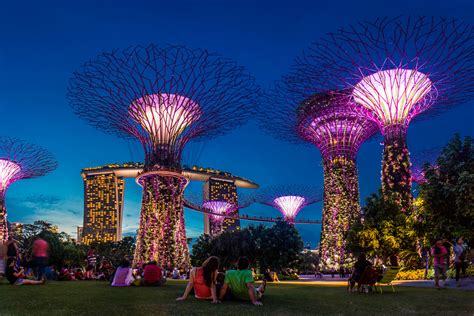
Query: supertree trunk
column 215, row 228
column 161, row 235
column 396, row 173
column 341, row 208
column 3, row 218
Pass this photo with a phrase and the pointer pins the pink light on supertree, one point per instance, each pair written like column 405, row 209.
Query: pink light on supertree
column 289, row 199
column 337, row 130
column 19, row 160
column 218, row 208
column 164, row 97
column 393, row 69
column 423, row 159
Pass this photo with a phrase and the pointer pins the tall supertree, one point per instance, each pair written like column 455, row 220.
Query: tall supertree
column 164, row 97
column 19, row 160
column 327, row 121
column 289, row 199
column 394, row 69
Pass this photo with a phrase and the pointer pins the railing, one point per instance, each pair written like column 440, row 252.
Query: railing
column 245, row 216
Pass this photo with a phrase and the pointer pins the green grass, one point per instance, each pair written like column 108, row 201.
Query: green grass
column 98, row 298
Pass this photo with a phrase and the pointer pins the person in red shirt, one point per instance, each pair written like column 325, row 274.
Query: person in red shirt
column 440, row 261
column 40, row 256
column 152, row 275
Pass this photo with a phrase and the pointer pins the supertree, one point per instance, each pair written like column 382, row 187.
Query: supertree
column 19, row 160
column 394, row 69
column 220, row 208
column 289, row 199
column 327, row 121
column 164, row 97
column 419, row 160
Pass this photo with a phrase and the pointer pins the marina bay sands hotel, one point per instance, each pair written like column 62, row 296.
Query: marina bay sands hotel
column 104, row 189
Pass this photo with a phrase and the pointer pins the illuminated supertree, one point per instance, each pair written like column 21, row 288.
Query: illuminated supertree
column 164, row 97
column 394, row 69
column 338, row 131
column 19, row 160
column 289, row 199
column 217, row 207
column 419, row 160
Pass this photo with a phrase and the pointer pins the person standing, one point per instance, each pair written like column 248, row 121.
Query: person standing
column 12, row 248
column 3, row 256
column 440, row 254
column 40, row 256
column 460, row 251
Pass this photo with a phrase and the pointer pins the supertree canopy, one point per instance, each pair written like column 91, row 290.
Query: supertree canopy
column 329, row 122
column 289, row 199
column 164, row 97
column 19, row 160
column 393, row 69
column 220, row 209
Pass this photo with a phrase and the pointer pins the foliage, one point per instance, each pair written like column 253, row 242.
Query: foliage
column 445, row 206
column 308, row 262
column 277, row 248
column 384, row 229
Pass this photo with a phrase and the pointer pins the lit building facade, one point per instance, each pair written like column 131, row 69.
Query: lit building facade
column 221, row 190
column 103, row 207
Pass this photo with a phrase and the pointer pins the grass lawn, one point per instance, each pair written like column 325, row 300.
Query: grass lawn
column 93, row 298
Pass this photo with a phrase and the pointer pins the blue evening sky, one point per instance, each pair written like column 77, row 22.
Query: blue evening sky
column 43, row 42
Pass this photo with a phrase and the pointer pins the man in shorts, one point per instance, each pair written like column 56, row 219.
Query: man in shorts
column 241, row 283
column 440, row 255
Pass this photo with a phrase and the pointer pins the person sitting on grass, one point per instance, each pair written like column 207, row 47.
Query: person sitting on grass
column 203, row 280
column 152, row 275
column 123, row 275
column 241, row 283
column 15, row 276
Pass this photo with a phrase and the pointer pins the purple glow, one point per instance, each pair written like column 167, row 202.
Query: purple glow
column 334, row 126
column 164, row 116
column 219, row 207
column 289, row 206
column 394, row 96
column 8, row 171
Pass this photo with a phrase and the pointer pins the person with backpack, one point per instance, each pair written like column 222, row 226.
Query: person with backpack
column 460, row 251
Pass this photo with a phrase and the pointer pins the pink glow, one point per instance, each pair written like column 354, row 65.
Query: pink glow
column 164, row 116
column 8, row 171
column 391, row 95
column 289, row 205
column 219, row 207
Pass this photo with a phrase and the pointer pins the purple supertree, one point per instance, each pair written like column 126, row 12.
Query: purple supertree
column 420, row 159
column 330, row 123
column 19, row 160
column 217, row 207
column 164, row 97
column 289, row 199
column 393, row 69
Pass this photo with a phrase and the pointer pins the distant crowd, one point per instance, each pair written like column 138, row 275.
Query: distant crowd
column 206, row 282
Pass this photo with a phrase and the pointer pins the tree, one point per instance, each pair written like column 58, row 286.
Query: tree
column 383, row 230
column 277, row 247
column 445, row 205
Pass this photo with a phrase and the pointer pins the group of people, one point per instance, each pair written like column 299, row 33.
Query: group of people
column 208, row 283
column 151, row 274
column 23, row 272
column 441, row 260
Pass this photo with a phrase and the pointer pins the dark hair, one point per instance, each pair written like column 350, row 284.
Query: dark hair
column 209, row 267
column 9, row 261
column 243, row 263
column 125, row 263
column 361, row 257
column 393, row 260
column 153, row 263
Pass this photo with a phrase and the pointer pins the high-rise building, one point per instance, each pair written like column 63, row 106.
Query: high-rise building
column 221, row 190
column 103, row 207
